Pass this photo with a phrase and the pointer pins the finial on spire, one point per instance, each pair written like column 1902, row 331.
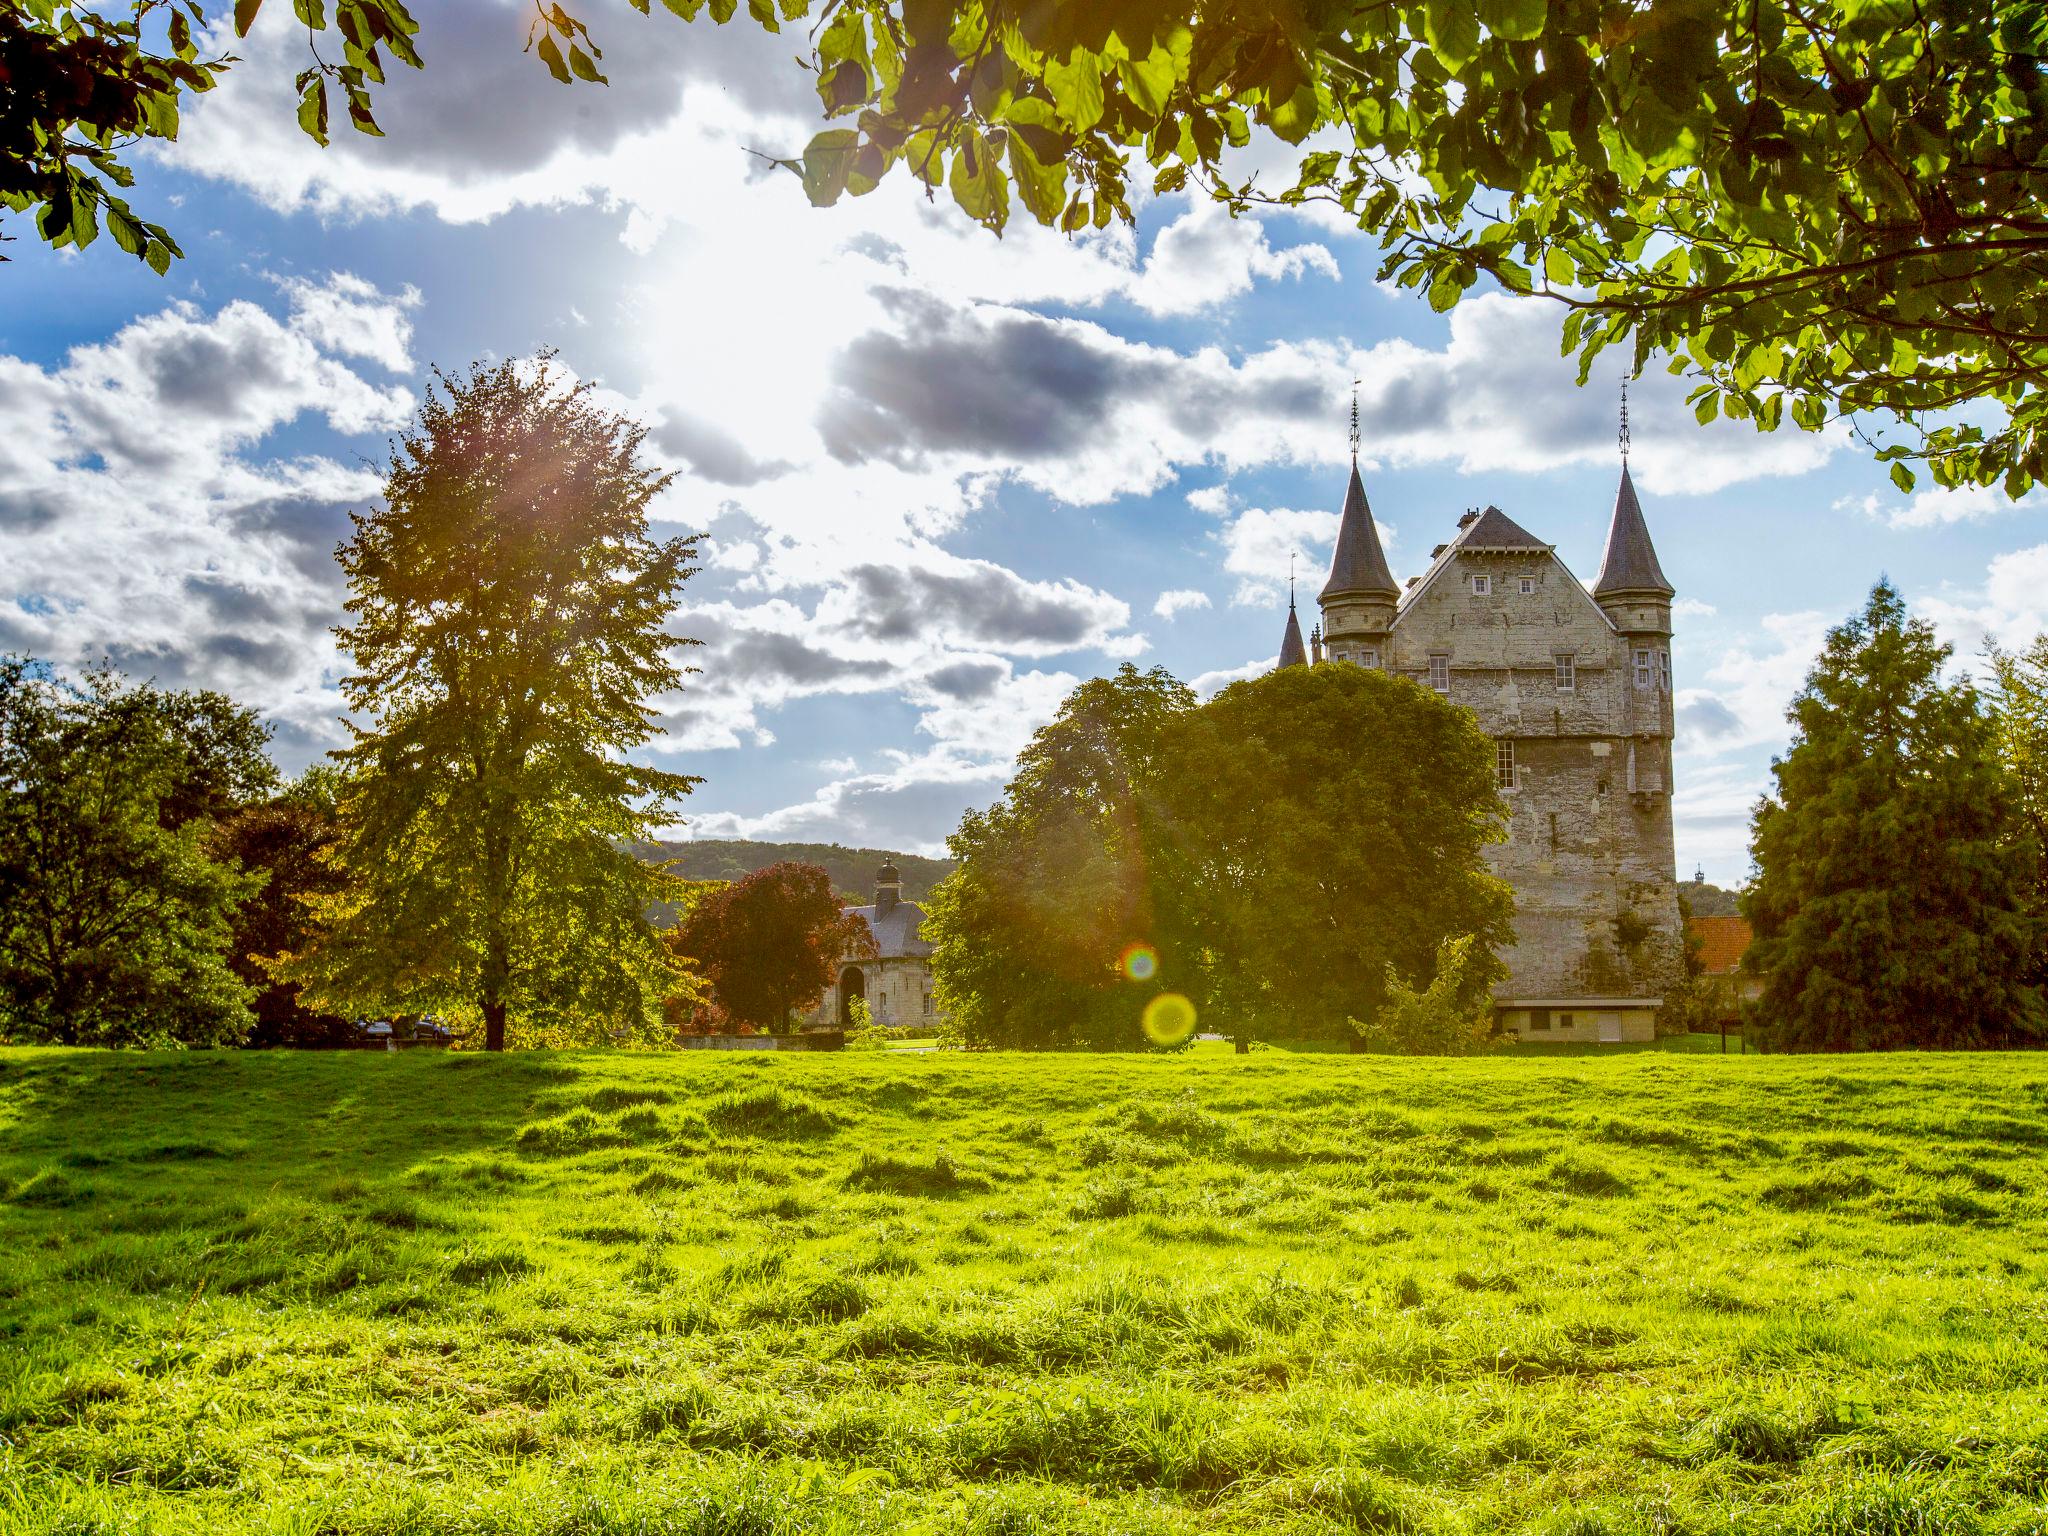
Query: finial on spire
column 1624, row 420
column 1354, row 421
column 1290, row 581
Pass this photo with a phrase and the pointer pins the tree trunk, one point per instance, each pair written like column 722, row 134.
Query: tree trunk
column 494, row 1025
column 1244, row 1045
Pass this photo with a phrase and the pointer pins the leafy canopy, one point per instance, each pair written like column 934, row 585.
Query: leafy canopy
column 509, row 633
column 1894, row 898
column 1816, row 208
column 1275, row 854
column 115, row 911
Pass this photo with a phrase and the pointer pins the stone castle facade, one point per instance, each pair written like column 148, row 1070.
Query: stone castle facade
column 1574, row 687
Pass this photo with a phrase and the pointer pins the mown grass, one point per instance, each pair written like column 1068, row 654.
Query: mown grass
column 758, row 1294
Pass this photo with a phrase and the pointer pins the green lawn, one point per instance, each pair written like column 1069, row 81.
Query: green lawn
column 741, row 1294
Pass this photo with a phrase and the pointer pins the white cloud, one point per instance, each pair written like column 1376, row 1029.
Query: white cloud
column 1205, row 257
column 1257, row 545
column 2011, row 608
column 1936, row 507
column 1692, row 608
column 1208, row 684
column 145, row 524
column 1179, row 600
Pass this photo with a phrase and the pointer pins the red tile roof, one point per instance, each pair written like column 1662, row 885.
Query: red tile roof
column 1723, row 942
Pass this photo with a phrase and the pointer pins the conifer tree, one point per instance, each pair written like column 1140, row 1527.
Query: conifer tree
column 1894, row 872
column 509, row 632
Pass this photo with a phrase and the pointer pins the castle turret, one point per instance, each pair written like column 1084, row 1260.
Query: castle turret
column 1292, row 652
column 888, row 889
column 1359, row 598
column 1631, row 589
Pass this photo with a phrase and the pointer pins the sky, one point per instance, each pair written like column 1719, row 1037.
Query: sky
column 939, row 478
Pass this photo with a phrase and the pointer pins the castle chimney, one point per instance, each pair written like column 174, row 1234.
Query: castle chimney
column 888, row 889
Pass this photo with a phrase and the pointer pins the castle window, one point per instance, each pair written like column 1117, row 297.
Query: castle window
column 1664, row 671
column 1440, row 671
column 1527, row 586
column 1645, row 675
column 1369, row 656
column 1564, row 1021
column 1539, row 1018
column 1504, row 765
column 1567, row 672
column 1481, row 585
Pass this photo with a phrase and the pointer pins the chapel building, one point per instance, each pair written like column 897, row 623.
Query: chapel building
column 1574, row 687
column 896, row 979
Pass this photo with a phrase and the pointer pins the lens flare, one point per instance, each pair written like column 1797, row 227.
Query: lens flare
column 1141, row 962
column 1169, row 1019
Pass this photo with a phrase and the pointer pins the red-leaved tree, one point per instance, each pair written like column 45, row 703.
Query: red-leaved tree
column 770, row 943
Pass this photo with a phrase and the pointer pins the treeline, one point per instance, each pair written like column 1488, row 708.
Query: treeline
column 850, row 870
column 468, row 853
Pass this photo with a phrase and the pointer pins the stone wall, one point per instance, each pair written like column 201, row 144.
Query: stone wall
column 1589, row 848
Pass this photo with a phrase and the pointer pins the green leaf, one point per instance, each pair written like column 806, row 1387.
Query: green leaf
column 1148, row 81
column 828, row 160
column 1076, row 87
column 313, row 111
column 1451, row 28
column 245, row 15
column 551, row 56
column 581, row 64
column 1902, row 477
column 1521, row 20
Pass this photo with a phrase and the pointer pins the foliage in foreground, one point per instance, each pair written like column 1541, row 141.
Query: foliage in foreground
column 1894, row 902
column 1729, row 1297
column 115, row 907
column 1274, row 854
column 510, row 629
column 1816, row 209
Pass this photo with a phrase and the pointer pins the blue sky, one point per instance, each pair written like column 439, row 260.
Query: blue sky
column 941, row 477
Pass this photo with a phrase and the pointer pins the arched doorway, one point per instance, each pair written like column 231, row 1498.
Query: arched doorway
column 852, row 983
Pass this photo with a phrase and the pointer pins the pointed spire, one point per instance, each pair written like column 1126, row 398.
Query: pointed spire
column 1630, row 563
column 1292, row 652
column 1359, row 565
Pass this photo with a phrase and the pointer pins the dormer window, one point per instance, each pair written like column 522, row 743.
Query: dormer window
column 1482, row 586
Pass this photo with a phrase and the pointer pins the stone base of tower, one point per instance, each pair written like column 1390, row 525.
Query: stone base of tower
column 1579, row 1020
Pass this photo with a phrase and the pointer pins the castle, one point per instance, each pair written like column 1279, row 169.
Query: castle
column 1574, row 687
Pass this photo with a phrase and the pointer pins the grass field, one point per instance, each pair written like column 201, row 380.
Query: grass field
column 748, row 1294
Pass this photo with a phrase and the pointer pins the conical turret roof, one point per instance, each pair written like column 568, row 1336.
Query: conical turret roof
column 1359, row 565
column 1292, row 652
column 1630, row 563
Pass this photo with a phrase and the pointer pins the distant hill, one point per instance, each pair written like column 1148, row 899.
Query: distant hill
column 852, row 869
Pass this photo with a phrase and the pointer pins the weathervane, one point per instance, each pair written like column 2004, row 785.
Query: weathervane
column 1290, row 581
column 1354, row 422
column 1624, row 420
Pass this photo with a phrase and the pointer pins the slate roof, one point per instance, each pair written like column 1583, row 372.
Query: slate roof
column 1723, row 942
column 895, row 932
column 1292, row 653
column 1359, row 564
column 1493, row 531
column 1630, row 563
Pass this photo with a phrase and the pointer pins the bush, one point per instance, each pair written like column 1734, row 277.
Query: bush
column 1452, row 1016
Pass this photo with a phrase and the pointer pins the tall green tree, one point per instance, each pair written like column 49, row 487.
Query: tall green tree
column 114, row 915
column 2019, row 712
column 1814, row 207
column 1893, row 902
column 1055, row 882
column 1329, row 830
column 509, row 633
